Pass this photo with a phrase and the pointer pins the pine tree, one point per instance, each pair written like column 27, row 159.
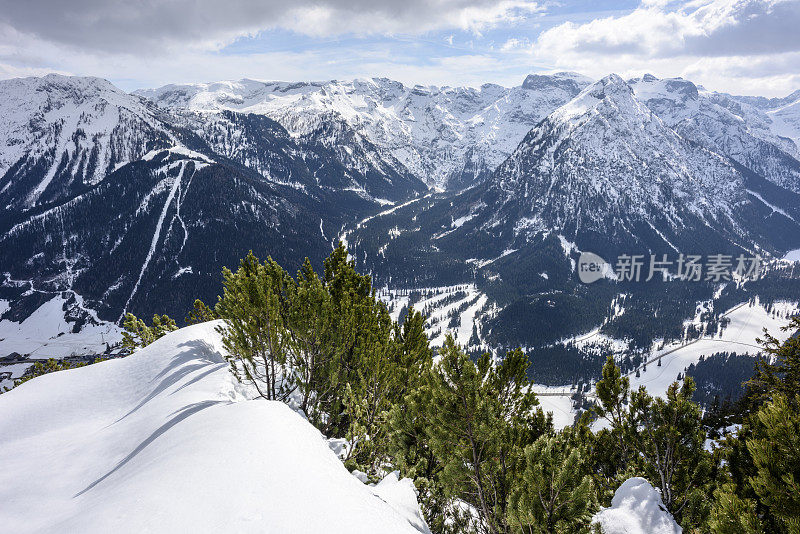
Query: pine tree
column 610, row 450
column 669, row 435
column 137, row 334
column 732, row 514
column 761, row 459
column 311, row 343
column 780, row 372
column 555, row 493
column 483, row 418
column 775, row 449
column 253, row 331
column 661, row 439
column 200, row 313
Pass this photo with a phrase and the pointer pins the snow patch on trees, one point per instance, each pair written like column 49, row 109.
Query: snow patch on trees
column 636, row 509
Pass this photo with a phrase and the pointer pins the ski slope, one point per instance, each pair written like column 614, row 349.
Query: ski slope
column 438, row 304
column 747, row 324
column 166, row 441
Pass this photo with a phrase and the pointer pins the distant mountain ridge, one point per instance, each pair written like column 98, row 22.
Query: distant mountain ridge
column 605, row 170
column 604, row 174
column 450, row 137
column 134, row 202
column 60, row 134
column 137, row 208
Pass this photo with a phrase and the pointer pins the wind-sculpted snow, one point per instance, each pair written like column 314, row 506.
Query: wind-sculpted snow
column 166, row 441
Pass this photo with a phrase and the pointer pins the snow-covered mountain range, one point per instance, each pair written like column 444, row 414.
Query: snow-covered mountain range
column 447, row 136
column 60, row 134
column 605, row 171
column 604, row 174
column 134, row 202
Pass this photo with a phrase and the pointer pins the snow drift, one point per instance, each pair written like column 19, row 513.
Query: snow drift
column 166, row 441
column 636, row 509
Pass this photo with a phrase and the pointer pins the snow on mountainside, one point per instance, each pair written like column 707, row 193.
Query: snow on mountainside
column 787, row 119
column 59, row 134
column 166, row 441
column 155, row 234
column 135, row 202
column 723, row 125
column 337, row 157
column 448, row 136
column 602, row 174
column 107, row 195
column 60, row 327
column 783, row 113
column 606, row 164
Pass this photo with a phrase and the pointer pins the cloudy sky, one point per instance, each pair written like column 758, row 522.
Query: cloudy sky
column 739, row 46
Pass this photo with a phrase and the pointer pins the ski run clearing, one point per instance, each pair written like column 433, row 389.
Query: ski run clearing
column 449, row 309
column 746, row 324
column 166, row 441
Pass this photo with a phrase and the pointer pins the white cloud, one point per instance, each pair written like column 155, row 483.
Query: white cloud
column 743, row 46
column 159, row 27
column 516, row 44
column 717, row 43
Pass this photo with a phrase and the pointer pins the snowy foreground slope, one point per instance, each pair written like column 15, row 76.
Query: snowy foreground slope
column 166, row 441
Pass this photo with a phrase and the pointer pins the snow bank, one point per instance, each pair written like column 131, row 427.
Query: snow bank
column 401, row 495
column 166, row 441
column 636, row 509
column 792, row 255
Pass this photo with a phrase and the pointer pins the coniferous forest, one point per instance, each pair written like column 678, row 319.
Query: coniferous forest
column 484, row 457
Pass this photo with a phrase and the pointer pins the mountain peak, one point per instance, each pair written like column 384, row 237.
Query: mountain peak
column 648, row 87
column 606, row 96
column 569, row 81
column 610, row 86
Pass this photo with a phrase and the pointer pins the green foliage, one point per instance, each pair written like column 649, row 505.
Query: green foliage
column 137, row 334
column 660, row 439
column 732, row 514
column 779, row 374
column 410, row 450
column 556, row 493
column 775, row 449
column 761, row 461
column 325, row 342
column 253, row 332
column 468, row 432
column 480, row 419
column 42, row 368
column 669, row 436
column 200, row 313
